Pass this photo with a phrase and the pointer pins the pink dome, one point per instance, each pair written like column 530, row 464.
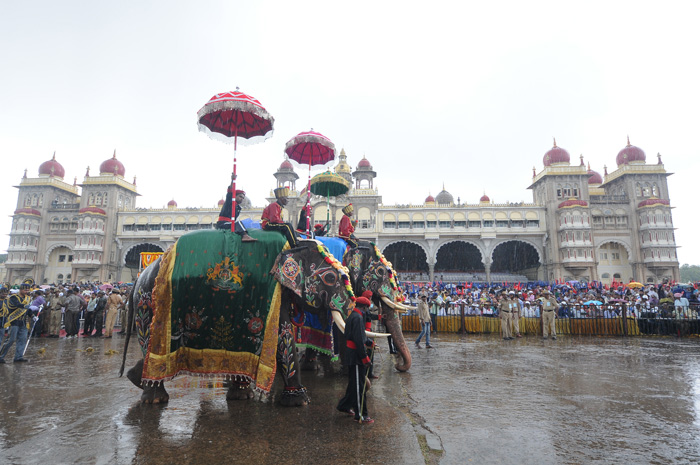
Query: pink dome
column 573, row 203
column 286, row 165
column 630, row 154
column 221, row 203
column 94, row 210
column 52, row 168
column 28, row 211
column 594, row 177
column 172, row 203
column 653, row 202
column 484, row 198
column 112, row 166
column 429, row 199
column 556, row 155
column 364, row 163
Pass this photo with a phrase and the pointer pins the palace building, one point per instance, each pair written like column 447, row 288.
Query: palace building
column 580, row 225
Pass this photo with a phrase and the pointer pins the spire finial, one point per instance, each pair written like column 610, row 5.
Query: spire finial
column 589, row 166
column 555, row 141
column 628, row 140
column 534, row 171
column 134, row 180
column 54, row 156
column 581, row 157
column 87, row 172
column 75, row 181
column 25, row 174
column 658, row 155
column 605, row 169
column 114, row 155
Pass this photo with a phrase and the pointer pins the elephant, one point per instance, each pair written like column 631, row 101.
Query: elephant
column 369, row 270
column 212, row 306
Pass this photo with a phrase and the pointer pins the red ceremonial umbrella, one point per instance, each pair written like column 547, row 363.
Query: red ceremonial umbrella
column 312, row 148
column 235, row 115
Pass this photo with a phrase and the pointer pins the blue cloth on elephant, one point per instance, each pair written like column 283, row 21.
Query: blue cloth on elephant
column 203, row 278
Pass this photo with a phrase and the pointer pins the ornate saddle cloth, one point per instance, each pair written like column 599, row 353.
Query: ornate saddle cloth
column 216, row 309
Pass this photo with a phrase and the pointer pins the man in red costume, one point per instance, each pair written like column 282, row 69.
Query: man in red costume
column 224, row 221
column 346, row 230
column 272, row 217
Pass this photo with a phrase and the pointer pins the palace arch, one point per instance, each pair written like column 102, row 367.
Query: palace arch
column 407, row 257
column 459, row 257
column 516, row 257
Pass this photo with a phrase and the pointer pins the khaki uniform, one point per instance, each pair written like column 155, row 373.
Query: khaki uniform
column 56, row 306
column 517, row 312
column 505, row 309
column 549, row 308
column 114, row 301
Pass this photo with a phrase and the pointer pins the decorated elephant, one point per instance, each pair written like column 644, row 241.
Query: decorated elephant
column 214, row 307
column 369, row 270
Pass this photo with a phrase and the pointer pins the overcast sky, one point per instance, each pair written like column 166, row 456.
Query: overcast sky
column 468, row 94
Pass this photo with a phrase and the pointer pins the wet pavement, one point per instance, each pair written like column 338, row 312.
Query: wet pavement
column 472, row 399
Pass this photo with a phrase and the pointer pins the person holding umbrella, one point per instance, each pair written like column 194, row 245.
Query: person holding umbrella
column 272, row 217
column 17, row 322
column 224, row 221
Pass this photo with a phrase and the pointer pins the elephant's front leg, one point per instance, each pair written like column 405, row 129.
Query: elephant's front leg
column 294, row 393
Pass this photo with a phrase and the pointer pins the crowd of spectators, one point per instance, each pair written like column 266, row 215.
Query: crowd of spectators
column 78, row 309
column 649, row 301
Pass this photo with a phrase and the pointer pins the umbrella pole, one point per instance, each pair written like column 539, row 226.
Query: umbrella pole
column 328, row 208
column 233, row 184
column 308, row 202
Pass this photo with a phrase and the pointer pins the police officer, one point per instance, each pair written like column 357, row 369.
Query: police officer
column 549, row 307
column 354, row 402
column 516, row 312
column 505, row 307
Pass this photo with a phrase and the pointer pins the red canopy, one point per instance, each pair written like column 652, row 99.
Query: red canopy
column 310, row 148
column 233, row 115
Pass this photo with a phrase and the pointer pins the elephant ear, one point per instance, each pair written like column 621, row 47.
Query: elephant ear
column 288, row 270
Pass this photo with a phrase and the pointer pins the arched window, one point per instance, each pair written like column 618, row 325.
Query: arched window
column 98, row 200
column 617, row 276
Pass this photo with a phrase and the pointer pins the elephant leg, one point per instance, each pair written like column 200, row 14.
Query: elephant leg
column 134, row 374
column 154, row 394
column 294, row 393
column 239, row 390
column 310, row 361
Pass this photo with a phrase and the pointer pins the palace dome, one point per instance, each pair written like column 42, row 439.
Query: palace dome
column 52, row 168
column 444, row 197
column 172, row 204
column 221, row 203
column 630, row 154
column 594, row 177
column 28, row 211
column 556, row 155
column 484, row 198
column 571, row 203
column 286, row 166
column 653, row 202
column 364, row 163
column 112, row 166
column 429, row 199
column 95, row 210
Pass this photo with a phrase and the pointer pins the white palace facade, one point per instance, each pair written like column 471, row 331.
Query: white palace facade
column 579, row 225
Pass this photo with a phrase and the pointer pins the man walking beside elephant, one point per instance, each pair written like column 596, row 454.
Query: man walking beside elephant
column 354, row 402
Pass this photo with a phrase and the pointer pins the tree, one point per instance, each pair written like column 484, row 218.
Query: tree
column 690, row 273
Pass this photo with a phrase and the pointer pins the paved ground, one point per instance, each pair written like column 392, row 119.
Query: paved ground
column 472, row 399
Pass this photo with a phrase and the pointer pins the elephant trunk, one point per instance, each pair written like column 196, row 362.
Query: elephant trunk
column 394, row 327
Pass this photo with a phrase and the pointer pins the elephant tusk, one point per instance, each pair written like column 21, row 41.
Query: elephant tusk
column 395, row 306
column 338, row 321
column 371, row 334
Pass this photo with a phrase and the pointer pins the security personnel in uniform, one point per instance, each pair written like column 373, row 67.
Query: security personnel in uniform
column 272, row 217
column 549, row 309
column 17, row 321
column 346, row 230
column 505, row 307
column 355, row 402
column 516, row 313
